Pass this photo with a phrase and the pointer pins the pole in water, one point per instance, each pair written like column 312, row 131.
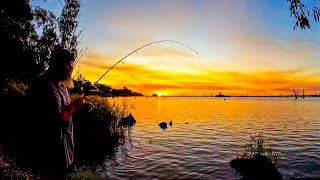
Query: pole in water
column 141, row 48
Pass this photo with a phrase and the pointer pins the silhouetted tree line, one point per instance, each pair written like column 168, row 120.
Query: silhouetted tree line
column 124, row 92
column 83, row 86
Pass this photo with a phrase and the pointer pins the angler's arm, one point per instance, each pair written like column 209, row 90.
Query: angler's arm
column 69, row 110
column 64, row 113
column 76, row 104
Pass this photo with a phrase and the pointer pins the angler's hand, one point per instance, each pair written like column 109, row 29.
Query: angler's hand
column 79, row 102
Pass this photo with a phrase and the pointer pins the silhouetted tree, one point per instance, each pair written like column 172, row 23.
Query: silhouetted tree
column 17, row 36
column 58, row 31
column 68, row 23
column 47, row 21
column 25, row 52
column 302, row 11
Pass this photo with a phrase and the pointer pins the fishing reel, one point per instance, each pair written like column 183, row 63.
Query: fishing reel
column 88, row 107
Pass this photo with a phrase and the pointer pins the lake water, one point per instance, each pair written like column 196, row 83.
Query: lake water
column 217, row 130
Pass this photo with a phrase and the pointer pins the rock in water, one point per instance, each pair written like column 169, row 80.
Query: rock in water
column 163, row 125
column 257, row 167
column 170, row 123
column 128, row 121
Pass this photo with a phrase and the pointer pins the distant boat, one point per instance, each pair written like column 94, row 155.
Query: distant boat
column 221, row 95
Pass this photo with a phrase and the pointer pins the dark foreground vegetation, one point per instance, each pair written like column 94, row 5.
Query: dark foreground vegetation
column 98, row 133
column 28, row 36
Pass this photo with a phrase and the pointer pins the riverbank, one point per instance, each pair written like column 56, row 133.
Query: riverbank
column 8, row 169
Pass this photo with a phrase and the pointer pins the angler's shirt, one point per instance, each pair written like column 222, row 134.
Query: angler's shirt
column 50, row 98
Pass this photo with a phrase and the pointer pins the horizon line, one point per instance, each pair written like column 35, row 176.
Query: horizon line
column 314, row 95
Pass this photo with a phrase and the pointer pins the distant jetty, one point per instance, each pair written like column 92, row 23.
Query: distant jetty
column 221, row 95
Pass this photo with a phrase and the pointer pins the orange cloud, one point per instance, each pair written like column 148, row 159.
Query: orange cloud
column 147, row 80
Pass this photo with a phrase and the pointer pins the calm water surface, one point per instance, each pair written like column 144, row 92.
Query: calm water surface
column 217, row 130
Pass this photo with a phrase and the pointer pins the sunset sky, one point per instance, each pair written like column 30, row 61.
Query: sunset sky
column 246, row 47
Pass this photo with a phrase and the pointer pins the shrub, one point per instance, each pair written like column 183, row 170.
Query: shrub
column 98, row 131
column 259, row 145
column 13, row 88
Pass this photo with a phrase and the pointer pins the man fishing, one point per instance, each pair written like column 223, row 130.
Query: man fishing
column 52, row 111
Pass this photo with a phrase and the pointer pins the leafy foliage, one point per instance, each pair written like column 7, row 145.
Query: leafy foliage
column 29, row 35
column 68, row 23
column 97, row 132
column 259, row 145
column 57, row 30
column 301, row 12
column 16, row 36
column 46, row 21
column 78, row 176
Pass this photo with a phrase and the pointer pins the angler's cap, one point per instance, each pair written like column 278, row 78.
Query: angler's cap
column 60, row 56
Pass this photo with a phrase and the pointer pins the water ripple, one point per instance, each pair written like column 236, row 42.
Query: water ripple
column 216, row 131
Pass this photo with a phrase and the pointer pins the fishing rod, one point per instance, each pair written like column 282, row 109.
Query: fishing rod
column 160, row 41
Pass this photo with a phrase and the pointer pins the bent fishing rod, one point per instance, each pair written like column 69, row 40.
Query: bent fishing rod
column 141, row 48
